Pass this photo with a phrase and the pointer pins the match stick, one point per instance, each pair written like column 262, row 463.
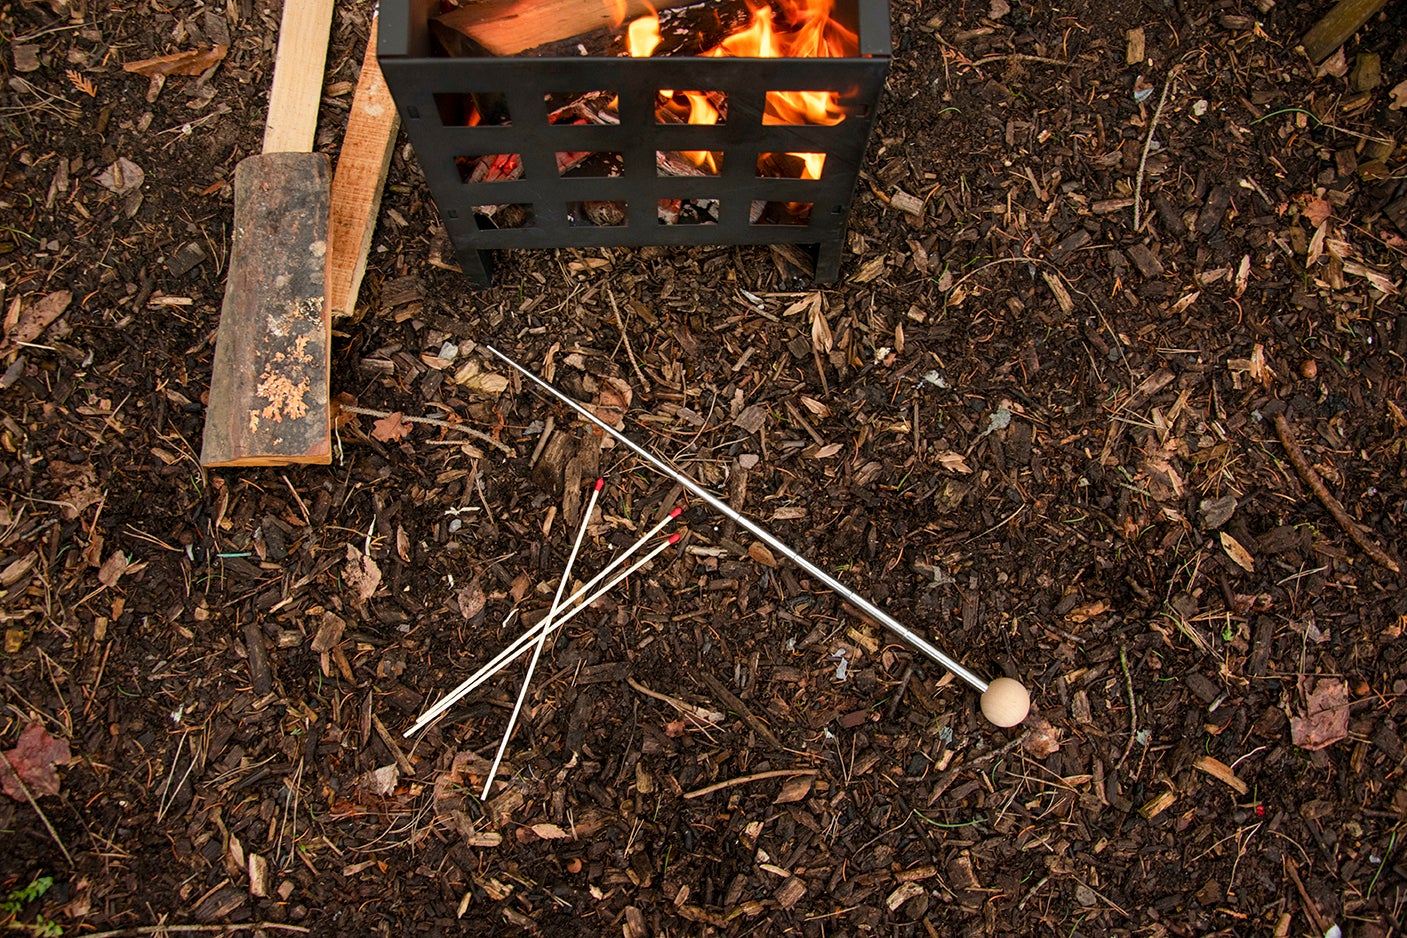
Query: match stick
column 522, row 642
column 516, row 648
column 762, row 534
column 542, row 639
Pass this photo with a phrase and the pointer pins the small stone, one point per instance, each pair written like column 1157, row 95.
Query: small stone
column 26, row 58
column 1309, row 369
column 1217, row 511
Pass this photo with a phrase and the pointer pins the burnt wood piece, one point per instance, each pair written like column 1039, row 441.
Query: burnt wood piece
column 1337, row 25
column 269, row 385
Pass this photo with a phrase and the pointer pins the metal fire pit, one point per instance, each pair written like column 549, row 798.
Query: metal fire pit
column 550, row 202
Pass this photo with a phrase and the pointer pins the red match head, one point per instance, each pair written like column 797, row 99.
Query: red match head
column 674, row 538
column 678, row 510
column 600, row 484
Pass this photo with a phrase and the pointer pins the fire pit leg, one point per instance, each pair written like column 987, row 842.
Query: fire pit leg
column 828, row 261
column 477, row 265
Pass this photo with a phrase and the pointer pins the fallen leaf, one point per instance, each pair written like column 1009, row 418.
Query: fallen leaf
column 795, row 789
column 82, row 83
column 758, row 551
column 821, row 338
column 391, row 428
column 190, row 62
column 1238, row 554
column 122, row 177
column 1318, row 211
column 361, row 573
column 1326, row 716
column 112, row 569
column 35, row 760
column 31, row 321
column 1335, row 65
column 471, row 599
column 549, row 832
column 1399, row 97
column 954, row 462
column 1042, row 739
column 380, row 781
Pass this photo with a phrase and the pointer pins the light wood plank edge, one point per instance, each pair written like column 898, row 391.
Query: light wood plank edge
column 299, row 62
column 359, row 181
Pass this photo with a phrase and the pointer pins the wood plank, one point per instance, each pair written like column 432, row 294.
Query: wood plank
column 358, row 183
column 507, row 27
column 298, row 69
column 269, row 386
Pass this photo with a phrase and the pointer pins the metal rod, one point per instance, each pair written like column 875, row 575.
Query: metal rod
column 762, row 534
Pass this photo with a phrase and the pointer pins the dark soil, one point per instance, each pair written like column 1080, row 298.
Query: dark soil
column 1038, row 434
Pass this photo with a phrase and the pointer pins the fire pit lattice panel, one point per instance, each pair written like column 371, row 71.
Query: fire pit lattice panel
column 629, row 200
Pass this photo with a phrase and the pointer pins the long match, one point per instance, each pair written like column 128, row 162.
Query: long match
column 1002, row 700
column 576, row 606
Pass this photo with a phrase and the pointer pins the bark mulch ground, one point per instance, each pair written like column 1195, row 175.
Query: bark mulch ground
column 1121, row 307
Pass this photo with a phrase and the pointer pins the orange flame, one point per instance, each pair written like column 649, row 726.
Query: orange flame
column 643, row 36
column 805, row 29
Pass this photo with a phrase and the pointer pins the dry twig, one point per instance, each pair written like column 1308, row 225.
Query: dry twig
column 1311, row 478
column 1148, row 146
column 625, row 337
column 747, row 779
column 196, row 929
column 434, row 422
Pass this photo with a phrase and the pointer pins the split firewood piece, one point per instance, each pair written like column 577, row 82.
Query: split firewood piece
column 359, row 181
column 507, row 27
column 1311, row 478
column 269, row 384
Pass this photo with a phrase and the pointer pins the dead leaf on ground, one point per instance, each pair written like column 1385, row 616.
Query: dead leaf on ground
column 1318, row 211
column 821, row 338
column 1042, row 739
column 361, row 573
column 27, row 323
column 1326, row 716
column 1399, row 97
column 758, row 551
column 954, row 462
column 471, row 598
column 391, row 428
column 122, row 176
column 380, row 781
column 550, row 832
column 112, row 569
column 1238, row 554
column 35, row 759
column 190, row 62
